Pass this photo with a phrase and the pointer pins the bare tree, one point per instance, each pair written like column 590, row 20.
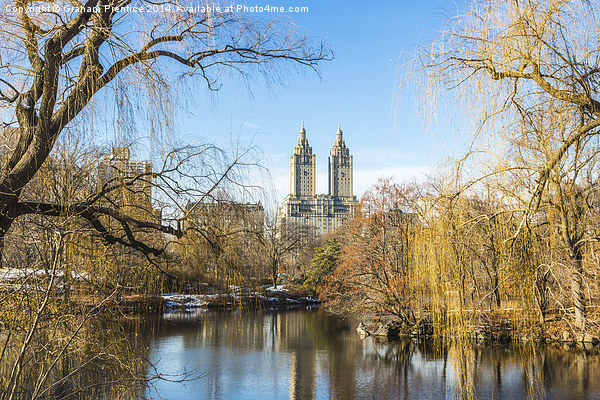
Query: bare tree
column 221, row 241
column 375, row 269
column 281, row 240
column 55, row 61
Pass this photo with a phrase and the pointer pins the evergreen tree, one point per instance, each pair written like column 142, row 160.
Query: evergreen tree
column 324, row 262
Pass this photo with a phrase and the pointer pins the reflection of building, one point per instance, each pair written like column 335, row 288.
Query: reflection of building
column 303, row 371
column 327, row 212
column 293, row 336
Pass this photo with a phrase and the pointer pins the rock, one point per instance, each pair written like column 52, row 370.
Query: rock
column 389, row 329
column 587, row 338
column 362, row 331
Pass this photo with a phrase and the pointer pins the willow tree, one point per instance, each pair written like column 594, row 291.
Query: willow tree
column 57, row 57
column 529, row 72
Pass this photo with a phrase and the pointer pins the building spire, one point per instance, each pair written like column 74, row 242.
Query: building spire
column 339, row 140
column 302, row 141
column 302, row 133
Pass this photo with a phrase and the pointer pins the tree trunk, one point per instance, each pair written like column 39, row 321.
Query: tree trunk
column 274, row 267
column 541, row 283
column 496, row 283
column 8, row 208
column 577, row 287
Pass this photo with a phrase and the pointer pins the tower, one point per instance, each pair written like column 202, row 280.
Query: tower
column 340, row 168
column 321, row 213
column 302, row 168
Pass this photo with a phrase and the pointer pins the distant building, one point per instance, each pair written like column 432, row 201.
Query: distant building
column 117, row 166
column 249, row 217
column 324, row 212
column 130, row 184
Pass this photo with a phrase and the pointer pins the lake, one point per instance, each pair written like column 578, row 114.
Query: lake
column 308, row 354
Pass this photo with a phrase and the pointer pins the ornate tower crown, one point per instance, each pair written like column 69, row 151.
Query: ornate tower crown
column 339, row 140
column 302, row 167
column 302, row 146
column 340, row 167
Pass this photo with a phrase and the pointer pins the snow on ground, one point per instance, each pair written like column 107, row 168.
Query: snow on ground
column 176, row 301
column 279, row 289
column 15, row 274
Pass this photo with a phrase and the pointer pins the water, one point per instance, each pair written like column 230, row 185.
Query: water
column 307, row 354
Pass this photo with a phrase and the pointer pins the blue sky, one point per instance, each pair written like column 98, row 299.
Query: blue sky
column 356, row 89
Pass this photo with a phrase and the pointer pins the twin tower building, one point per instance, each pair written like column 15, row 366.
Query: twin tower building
column 324, row 212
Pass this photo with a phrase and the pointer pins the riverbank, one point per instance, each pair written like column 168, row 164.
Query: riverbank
column 487, row 326
column 482, row 326
column 249, row 298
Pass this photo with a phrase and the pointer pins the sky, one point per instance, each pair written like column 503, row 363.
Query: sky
column 357, row 89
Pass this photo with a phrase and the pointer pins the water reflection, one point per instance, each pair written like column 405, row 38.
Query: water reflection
column 305, row 355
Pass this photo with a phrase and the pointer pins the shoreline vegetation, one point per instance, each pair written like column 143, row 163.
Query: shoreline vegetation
column 488, row 327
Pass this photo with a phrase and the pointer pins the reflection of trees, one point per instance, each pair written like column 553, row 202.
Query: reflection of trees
column 325, row 350
column 569, row 372
column 532, row 370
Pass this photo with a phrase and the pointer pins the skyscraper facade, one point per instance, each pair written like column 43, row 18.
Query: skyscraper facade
column 324, row 212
